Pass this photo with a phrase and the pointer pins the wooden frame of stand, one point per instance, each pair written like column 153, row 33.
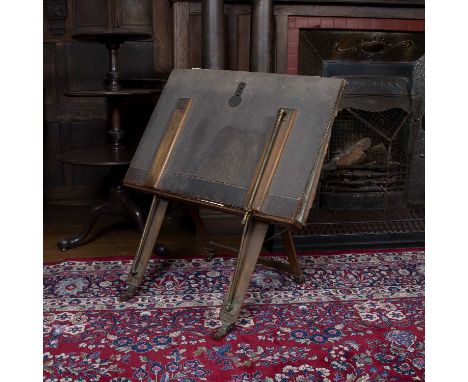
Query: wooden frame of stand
column 248, row 256
column 255, row 228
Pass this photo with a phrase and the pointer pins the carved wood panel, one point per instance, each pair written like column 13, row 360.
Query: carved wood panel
column 91, row 14
column 109, row 14
column 135, row 14
column 163, row 44
column 86, row 65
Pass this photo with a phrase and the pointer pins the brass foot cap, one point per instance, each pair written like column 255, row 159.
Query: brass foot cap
column 128, row 294
column 222, row 331
column 299, row 279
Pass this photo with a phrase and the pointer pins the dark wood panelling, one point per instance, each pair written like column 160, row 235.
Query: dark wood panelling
column 65, row 137
column 162, row 26
column 97, row 178
column 86, row 66
column 61, row 73
column 82, row 132
column 244, row 41
column 56, row 11
column 281, row 47
column 77, row 112
column 135, row 14
column 181, row 33
column 136, row 60
column 50, row 95
column 78, row 134
column 195, row 41
column 109, row 14
column 135, row 113
column 64, row 182
column 53, row 170
column 232, row 36
column 91, row 14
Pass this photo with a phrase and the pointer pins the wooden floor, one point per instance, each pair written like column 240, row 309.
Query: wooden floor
column 118, row 236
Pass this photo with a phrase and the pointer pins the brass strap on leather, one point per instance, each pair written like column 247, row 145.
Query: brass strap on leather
column 265, row 158
column 248, row 209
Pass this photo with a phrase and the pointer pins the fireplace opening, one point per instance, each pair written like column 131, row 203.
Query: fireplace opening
column 371, row 188
column 366, row 164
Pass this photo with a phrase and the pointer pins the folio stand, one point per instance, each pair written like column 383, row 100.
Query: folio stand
column 254, row 231
column 248, row 256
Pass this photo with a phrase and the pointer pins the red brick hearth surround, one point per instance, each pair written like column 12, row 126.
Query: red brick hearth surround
column 351, row 23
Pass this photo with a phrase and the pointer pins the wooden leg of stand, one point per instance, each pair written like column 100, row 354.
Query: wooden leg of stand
column 148, row 239
column 201, row 231
column 246, row 260
column 292, row 256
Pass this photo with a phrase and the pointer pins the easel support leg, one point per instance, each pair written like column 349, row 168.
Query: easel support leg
column 246, row 260
column 296, row 270
column 201, row 231
column 148, row 239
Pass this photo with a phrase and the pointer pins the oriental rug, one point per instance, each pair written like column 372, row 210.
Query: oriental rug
column 358, row 317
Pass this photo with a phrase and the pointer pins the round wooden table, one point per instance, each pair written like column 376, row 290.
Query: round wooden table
column 115, row 155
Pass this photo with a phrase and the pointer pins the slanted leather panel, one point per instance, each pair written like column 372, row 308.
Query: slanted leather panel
column 217, row 153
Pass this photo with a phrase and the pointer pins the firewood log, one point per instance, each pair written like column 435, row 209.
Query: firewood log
column 378, row 153
column 361, row 145
column 354, row 158
column 353, row 155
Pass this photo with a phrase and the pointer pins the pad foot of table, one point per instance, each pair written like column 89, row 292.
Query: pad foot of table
column 118, row 203
column 67, row 244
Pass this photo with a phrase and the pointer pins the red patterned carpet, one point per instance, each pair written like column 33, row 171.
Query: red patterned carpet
column 358, row 317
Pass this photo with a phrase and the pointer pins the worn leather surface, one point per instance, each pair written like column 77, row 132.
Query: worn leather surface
column 219, row 148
